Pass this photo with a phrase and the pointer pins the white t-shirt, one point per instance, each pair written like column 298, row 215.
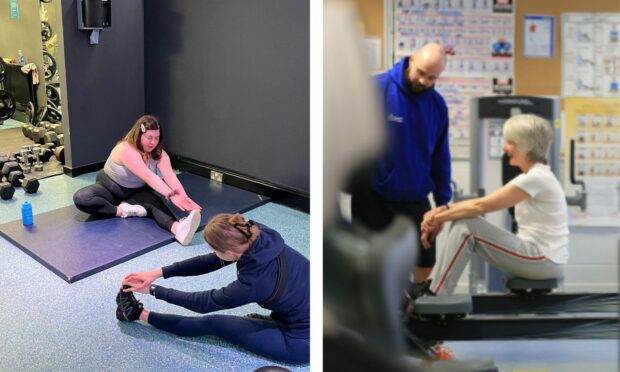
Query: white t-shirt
column 543, row 217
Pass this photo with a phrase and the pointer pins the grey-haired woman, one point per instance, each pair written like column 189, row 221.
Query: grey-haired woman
column 539, row 250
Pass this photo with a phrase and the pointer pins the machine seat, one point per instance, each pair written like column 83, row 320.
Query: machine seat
column 520, row 285
column 443, row 305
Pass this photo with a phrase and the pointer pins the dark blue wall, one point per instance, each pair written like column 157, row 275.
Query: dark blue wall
column 230, row 80
column 105, row 82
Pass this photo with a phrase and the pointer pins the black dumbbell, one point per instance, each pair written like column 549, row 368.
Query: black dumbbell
column 50, row 136
column 45, row 154
column 29, row 130
column 3, row 159
column 30, row 185
column 38, row 135
column 9, row 167
column 26, row 129
column 56, row 128
column 6, row 190
column 15, row 178
column 29, row 159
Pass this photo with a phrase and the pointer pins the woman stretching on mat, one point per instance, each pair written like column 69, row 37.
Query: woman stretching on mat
column 539, row 250
column 127, row 185
column 269, row 272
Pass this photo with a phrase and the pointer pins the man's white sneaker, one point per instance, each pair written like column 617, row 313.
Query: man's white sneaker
column 132, row 210
column 187, row 227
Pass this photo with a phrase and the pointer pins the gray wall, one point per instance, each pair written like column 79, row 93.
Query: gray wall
column 105, row 82
column 25, row 34
column 230, row 81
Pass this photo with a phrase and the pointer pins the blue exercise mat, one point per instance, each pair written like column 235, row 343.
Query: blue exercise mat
column 74, row 245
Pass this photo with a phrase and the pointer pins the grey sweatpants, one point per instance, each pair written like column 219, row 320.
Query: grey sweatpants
column 499, row 247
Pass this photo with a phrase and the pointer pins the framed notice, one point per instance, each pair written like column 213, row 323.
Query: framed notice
column 538, row 36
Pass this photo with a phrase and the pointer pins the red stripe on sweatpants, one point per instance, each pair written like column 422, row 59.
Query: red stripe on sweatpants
column 505, row 250
column 456, row 255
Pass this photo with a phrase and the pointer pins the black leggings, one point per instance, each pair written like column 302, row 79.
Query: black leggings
column 102, row 199
column 259, row 336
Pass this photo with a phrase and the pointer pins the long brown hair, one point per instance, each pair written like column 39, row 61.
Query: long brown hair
column 144, row 123
column 221, row 234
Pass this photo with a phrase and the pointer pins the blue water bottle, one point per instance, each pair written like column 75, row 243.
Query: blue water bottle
column 20, row 58
column 27, row 213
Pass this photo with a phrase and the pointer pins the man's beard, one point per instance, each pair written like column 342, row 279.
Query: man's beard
column 418, row 88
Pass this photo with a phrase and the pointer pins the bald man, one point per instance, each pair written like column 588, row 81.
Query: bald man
column 417, row 160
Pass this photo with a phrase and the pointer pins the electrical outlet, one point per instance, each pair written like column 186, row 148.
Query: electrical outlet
column 216, row 176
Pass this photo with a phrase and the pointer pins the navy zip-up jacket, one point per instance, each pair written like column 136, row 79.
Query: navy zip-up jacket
column 417, row 160
column 257, row 274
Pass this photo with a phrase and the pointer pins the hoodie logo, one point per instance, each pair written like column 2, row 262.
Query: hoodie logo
column 395, row 119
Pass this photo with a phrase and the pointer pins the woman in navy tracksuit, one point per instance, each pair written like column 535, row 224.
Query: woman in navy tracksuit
column 269, row 272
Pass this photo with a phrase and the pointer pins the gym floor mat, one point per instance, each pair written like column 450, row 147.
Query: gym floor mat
column 74, row 246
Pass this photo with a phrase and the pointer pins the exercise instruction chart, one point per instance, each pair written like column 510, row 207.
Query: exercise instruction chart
column 478, row 36
column 591, row 55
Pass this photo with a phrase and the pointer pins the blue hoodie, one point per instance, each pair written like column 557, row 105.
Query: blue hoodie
column 417, row 160
column 257, row 273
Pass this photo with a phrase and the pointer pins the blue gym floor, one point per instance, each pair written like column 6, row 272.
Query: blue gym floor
column 47, row 324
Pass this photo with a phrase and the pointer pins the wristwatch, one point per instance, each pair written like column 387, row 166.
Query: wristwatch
column 152, row 289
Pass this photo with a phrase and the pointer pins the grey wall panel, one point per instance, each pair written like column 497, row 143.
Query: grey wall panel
column 230, row 80
column 105, row 82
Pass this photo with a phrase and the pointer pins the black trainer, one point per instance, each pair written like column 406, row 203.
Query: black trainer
column 412, row 292
column 128, row 307
column 416, row 290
